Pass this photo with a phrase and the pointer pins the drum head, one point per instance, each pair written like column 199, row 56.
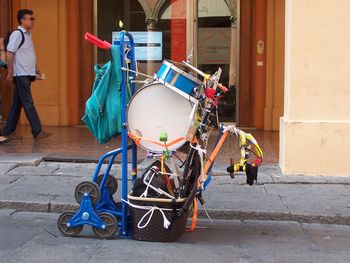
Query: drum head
column 155, row 109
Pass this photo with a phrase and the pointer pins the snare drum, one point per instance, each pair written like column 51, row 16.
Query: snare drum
column 155, row 109
column 178, row 78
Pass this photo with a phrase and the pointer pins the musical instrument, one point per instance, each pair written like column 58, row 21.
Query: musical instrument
column 177, row 77
column 156, row 108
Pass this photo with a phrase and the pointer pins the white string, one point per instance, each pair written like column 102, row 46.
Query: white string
column 158, row 190
column 145, row 193
column 207, row 214
column 166, row 222
column 139, row 73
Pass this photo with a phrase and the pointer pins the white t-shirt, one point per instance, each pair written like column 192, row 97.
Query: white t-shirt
column 24, row 63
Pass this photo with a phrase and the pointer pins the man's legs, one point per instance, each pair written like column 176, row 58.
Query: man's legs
column 15, row 111
column 26, row 99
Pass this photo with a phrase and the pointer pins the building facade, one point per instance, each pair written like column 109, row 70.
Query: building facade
column 285, row 63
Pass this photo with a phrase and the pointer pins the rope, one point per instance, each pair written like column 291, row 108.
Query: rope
column 145, row 193
column 207, row 214
column 166, row 222
column 138, row 139
column 158, row 190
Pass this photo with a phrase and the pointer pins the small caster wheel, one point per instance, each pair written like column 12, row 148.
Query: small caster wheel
column 111, row 226
column 111, row 182
column 88, row 187
column 62, row 224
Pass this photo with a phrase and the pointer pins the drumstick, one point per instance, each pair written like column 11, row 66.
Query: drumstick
column 206, row 76
column 138, row 73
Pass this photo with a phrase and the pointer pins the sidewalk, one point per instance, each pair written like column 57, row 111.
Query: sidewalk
column 77, row 144
column 28, row 183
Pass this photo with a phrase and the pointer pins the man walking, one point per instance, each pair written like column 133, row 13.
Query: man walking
column 22, row 70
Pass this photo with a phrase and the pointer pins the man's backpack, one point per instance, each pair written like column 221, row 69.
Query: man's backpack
column 7, row 39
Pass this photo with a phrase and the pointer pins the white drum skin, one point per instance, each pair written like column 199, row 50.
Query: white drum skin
column 155, row 109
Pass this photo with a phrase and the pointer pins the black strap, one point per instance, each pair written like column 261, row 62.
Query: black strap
column 195, row 164
column 22, row 41
column 173, row 206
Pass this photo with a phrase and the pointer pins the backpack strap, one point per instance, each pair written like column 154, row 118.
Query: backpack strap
column 22, row 41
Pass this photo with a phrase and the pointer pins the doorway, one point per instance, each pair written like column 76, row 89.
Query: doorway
column 218, row 48
column 223, row 33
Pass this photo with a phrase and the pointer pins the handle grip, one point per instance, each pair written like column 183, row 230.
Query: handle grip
column 222, row 88
column 96, row 41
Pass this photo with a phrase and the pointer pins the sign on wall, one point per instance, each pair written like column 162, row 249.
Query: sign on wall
column 214, row 45
column 148, row 45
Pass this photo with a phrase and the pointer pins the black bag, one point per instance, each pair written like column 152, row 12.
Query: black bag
column 6, row 42
column 7, row 39
column 158, row 181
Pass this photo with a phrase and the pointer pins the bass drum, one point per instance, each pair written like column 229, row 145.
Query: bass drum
column 156, row 108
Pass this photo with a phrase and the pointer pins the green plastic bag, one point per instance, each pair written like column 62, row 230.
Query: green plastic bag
column 103, row 108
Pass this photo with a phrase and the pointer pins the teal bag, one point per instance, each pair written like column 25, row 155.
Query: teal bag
column 103, row 108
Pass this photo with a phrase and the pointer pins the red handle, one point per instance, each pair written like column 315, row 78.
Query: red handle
column 223, row 88
column 96, row 41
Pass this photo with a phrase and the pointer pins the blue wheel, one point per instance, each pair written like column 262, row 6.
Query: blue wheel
column 111, row 183
column 110, row 226
column 62, row 226
column 88, row 187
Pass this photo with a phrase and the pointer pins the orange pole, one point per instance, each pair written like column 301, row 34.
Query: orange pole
column 215, row 152
column 73, row 54
column 260, row 63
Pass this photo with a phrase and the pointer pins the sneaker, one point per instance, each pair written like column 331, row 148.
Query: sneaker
column 14, row 136
column 3, row 140
column 43, row 135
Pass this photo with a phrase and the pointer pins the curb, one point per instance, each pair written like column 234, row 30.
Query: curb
column 276, row 216
column 214, row 214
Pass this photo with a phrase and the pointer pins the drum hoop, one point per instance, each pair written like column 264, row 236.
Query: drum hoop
column 178, row 91
column 189, row 76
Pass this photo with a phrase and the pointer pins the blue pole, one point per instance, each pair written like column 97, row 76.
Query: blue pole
column 124, row 141
column 124, row 226
column 133, row 90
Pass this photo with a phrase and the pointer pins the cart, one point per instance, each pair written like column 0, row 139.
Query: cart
column 97, row 207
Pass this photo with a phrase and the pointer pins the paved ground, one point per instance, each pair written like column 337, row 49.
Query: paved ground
column 266, row 222
column 33, row 237
column 29, row 184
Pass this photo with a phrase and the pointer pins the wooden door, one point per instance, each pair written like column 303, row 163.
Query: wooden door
column 81, row 57
column 5, row 27
column 252, row 86
column 246, row 76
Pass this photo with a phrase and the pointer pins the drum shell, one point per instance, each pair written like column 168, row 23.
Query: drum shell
column 178, row 78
